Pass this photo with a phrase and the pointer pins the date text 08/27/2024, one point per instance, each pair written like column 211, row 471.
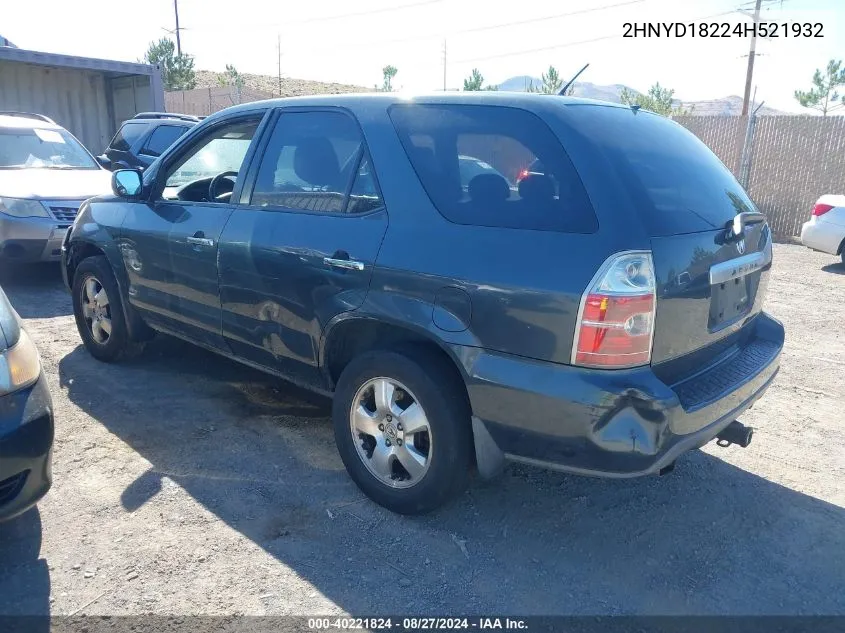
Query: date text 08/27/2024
column 417, row 624
column 722, row 29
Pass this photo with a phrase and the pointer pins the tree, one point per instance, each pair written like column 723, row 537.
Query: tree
column 475, row 82
column 658, row 99
column 233, row 79
column 823, row 96
column 552, row 83
column 177, row 71
column 389, row 73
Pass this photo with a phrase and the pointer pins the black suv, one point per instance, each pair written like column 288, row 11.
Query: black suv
column 143, row 138
column 598, row 313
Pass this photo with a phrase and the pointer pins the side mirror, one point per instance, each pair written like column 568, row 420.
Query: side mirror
column 104, row 161
column 126, row 183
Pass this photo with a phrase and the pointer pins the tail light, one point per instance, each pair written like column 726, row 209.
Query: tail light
column 616, row 319
column 522, row 175
column 821, row 209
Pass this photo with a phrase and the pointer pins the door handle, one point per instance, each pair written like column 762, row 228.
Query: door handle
column 200, row 239
column 346, row 264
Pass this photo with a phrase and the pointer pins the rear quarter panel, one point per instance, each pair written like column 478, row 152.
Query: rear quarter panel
column 524, row 286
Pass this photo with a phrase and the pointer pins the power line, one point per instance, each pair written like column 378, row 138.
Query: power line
column 431, row 36
column 548, row 17
column 324, row 18
column 565, row 45
column 341, row 16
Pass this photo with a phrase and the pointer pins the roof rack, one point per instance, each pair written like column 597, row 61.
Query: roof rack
column 27, row 115
column 165, row 115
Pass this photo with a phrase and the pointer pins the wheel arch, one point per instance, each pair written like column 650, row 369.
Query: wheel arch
column 81, row 248
column 351, row 334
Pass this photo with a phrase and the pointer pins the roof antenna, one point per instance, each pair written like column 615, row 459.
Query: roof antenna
column 572, row 81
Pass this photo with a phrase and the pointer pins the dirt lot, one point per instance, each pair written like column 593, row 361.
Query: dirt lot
column 187, row 484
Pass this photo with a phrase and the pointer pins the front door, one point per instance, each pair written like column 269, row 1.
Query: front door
column 195, row 196
column 302, row 248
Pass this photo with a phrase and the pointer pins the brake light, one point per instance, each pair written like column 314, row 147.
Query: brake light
column 616, row 320
column 821, row 209
column 523, row 174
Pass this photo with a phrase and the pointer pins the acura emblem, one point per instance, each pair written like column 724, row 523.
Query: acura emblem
column 740, row 246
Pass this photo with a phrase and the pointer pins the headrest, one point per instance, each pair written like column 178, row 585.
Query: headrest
column 537, row 188
column 315, row 162
column 489, row 188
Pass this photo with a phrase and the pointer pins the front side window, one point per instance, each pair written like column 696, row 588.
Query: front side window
column 127, row 136
column 494, row 166
column 42, row 148
column 162, row 137
column 221, row 151
column 311, row 161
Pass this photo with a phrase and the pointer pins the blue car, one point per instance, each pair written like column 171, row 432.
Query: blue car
column 26, row 418
column 474, row 278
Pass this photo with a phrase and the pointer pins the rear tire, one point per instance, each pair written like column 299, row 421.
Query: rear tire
column 435, row 441
column 98, row 309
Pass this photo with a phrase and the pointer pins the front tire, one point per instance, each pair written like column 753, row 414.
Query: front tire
column 402, row 427
column 98, row 309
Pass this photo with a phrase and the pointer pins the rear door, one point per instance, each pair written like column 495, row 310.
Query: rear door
column 710, row 282
column 302, row 247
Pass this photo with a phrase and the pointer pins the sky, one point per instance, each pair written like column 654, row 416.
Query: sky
column 350, row 41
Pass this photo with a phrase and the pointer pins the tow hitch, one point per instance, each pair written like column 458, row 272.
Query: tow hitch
column 735, row 433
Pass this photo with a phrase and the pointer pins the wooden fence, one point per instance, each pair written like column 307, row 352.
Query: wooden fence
column 793, row 160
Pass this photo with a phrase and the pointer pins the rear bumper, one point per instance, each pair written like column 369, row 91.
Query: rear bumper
column 30, row 239
column 26, row 440
column 822, row 236
column 624, row 423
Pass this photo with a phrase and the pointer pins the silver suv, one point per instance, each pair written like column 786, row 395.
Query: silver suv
column 45, row 174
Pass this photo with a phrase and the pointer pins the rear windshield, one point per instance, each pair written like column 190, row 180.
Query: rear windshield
column 676, row 182
column 475, row 163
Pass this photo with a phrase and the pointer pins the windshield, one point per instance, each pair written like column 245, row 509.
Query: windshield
column 38, row 148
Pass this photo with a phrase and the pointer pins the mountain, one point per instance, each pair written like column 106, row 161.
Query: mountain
column 582, row 88
column 726, row 106
column 267, row 86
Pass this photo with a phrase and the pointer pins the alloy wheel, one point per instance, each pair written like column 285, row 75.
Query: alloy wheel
column 391, row 432
column 96, row 310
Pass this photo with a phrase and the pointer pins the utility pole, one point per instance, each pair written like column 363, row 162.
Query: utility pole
column 279, row 45
column 751, row 55
column 178, row 38
column 444, row 65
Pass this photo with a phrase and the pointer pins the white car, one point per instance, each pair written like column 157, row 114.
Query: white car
column 45, row 174
column 825, row 231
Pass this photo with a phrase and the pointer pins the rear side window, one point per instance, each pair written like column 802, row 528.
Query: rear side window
column 677, row 184
column 312, row 161
column 127, row 136
column 494, row 166
column 162, row 137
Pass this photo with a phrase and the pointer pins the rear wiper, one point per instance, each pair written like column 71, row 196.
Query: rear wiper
column 735, row 229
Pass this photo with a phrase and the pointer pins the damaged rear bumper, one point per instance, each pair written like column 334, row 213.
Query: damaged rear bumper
column 619, row 423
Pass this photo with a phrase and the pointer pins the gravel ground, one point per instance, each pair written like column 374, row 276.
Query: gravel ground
column 188, row 484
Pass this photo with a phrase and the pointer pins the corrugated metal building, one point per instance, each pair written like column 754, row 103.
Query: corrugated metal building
column 89, row 97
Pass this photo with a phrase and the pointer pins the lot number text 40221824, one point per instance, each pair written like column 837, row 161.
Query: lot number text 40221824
column 722, row 29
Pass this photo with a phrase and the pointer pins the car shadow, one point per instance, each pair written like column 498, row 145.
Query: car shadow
column 836, row 269
column 709, row 539
column 36, row 290
column 24, row 577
